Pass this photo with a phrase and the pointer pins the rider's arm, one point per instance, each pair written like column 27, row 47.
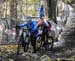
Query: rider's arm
column 39, row 23
column 46, row 23
column 23, row 24
column 49, row 27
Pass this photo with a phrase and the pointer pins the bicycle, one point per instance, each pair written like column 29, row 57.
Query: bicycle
column 43, row 38
column 23, row 40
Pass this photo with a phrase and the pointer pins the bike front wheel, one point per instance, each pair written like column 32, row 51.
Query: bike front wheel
column 39, row 42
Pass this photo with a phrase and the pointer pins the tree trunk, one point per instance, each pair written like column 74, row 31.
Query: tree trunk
column 13, row 11
column 52, row 9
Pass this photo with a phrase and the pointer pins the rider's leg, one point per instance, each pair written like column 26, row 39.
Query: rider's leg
column 33, row 43
column 24, row 48
column 46, row 37
column 43, row 39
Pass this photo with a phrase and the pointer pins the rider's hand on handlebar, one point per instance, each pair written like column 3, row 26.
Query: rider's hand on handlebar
column 17, row 26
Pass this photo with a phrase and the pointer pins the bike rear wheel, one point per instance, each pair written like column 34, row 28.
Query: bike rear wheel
column 50, row 42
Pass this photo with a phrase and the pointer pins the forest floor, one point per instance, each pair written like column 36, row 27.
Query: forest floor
column 8, row 53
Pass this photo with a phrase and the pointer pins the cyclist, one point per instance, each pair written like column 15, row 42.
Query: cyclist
column 44, row 23
column 46, row 26
column 32, row 26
